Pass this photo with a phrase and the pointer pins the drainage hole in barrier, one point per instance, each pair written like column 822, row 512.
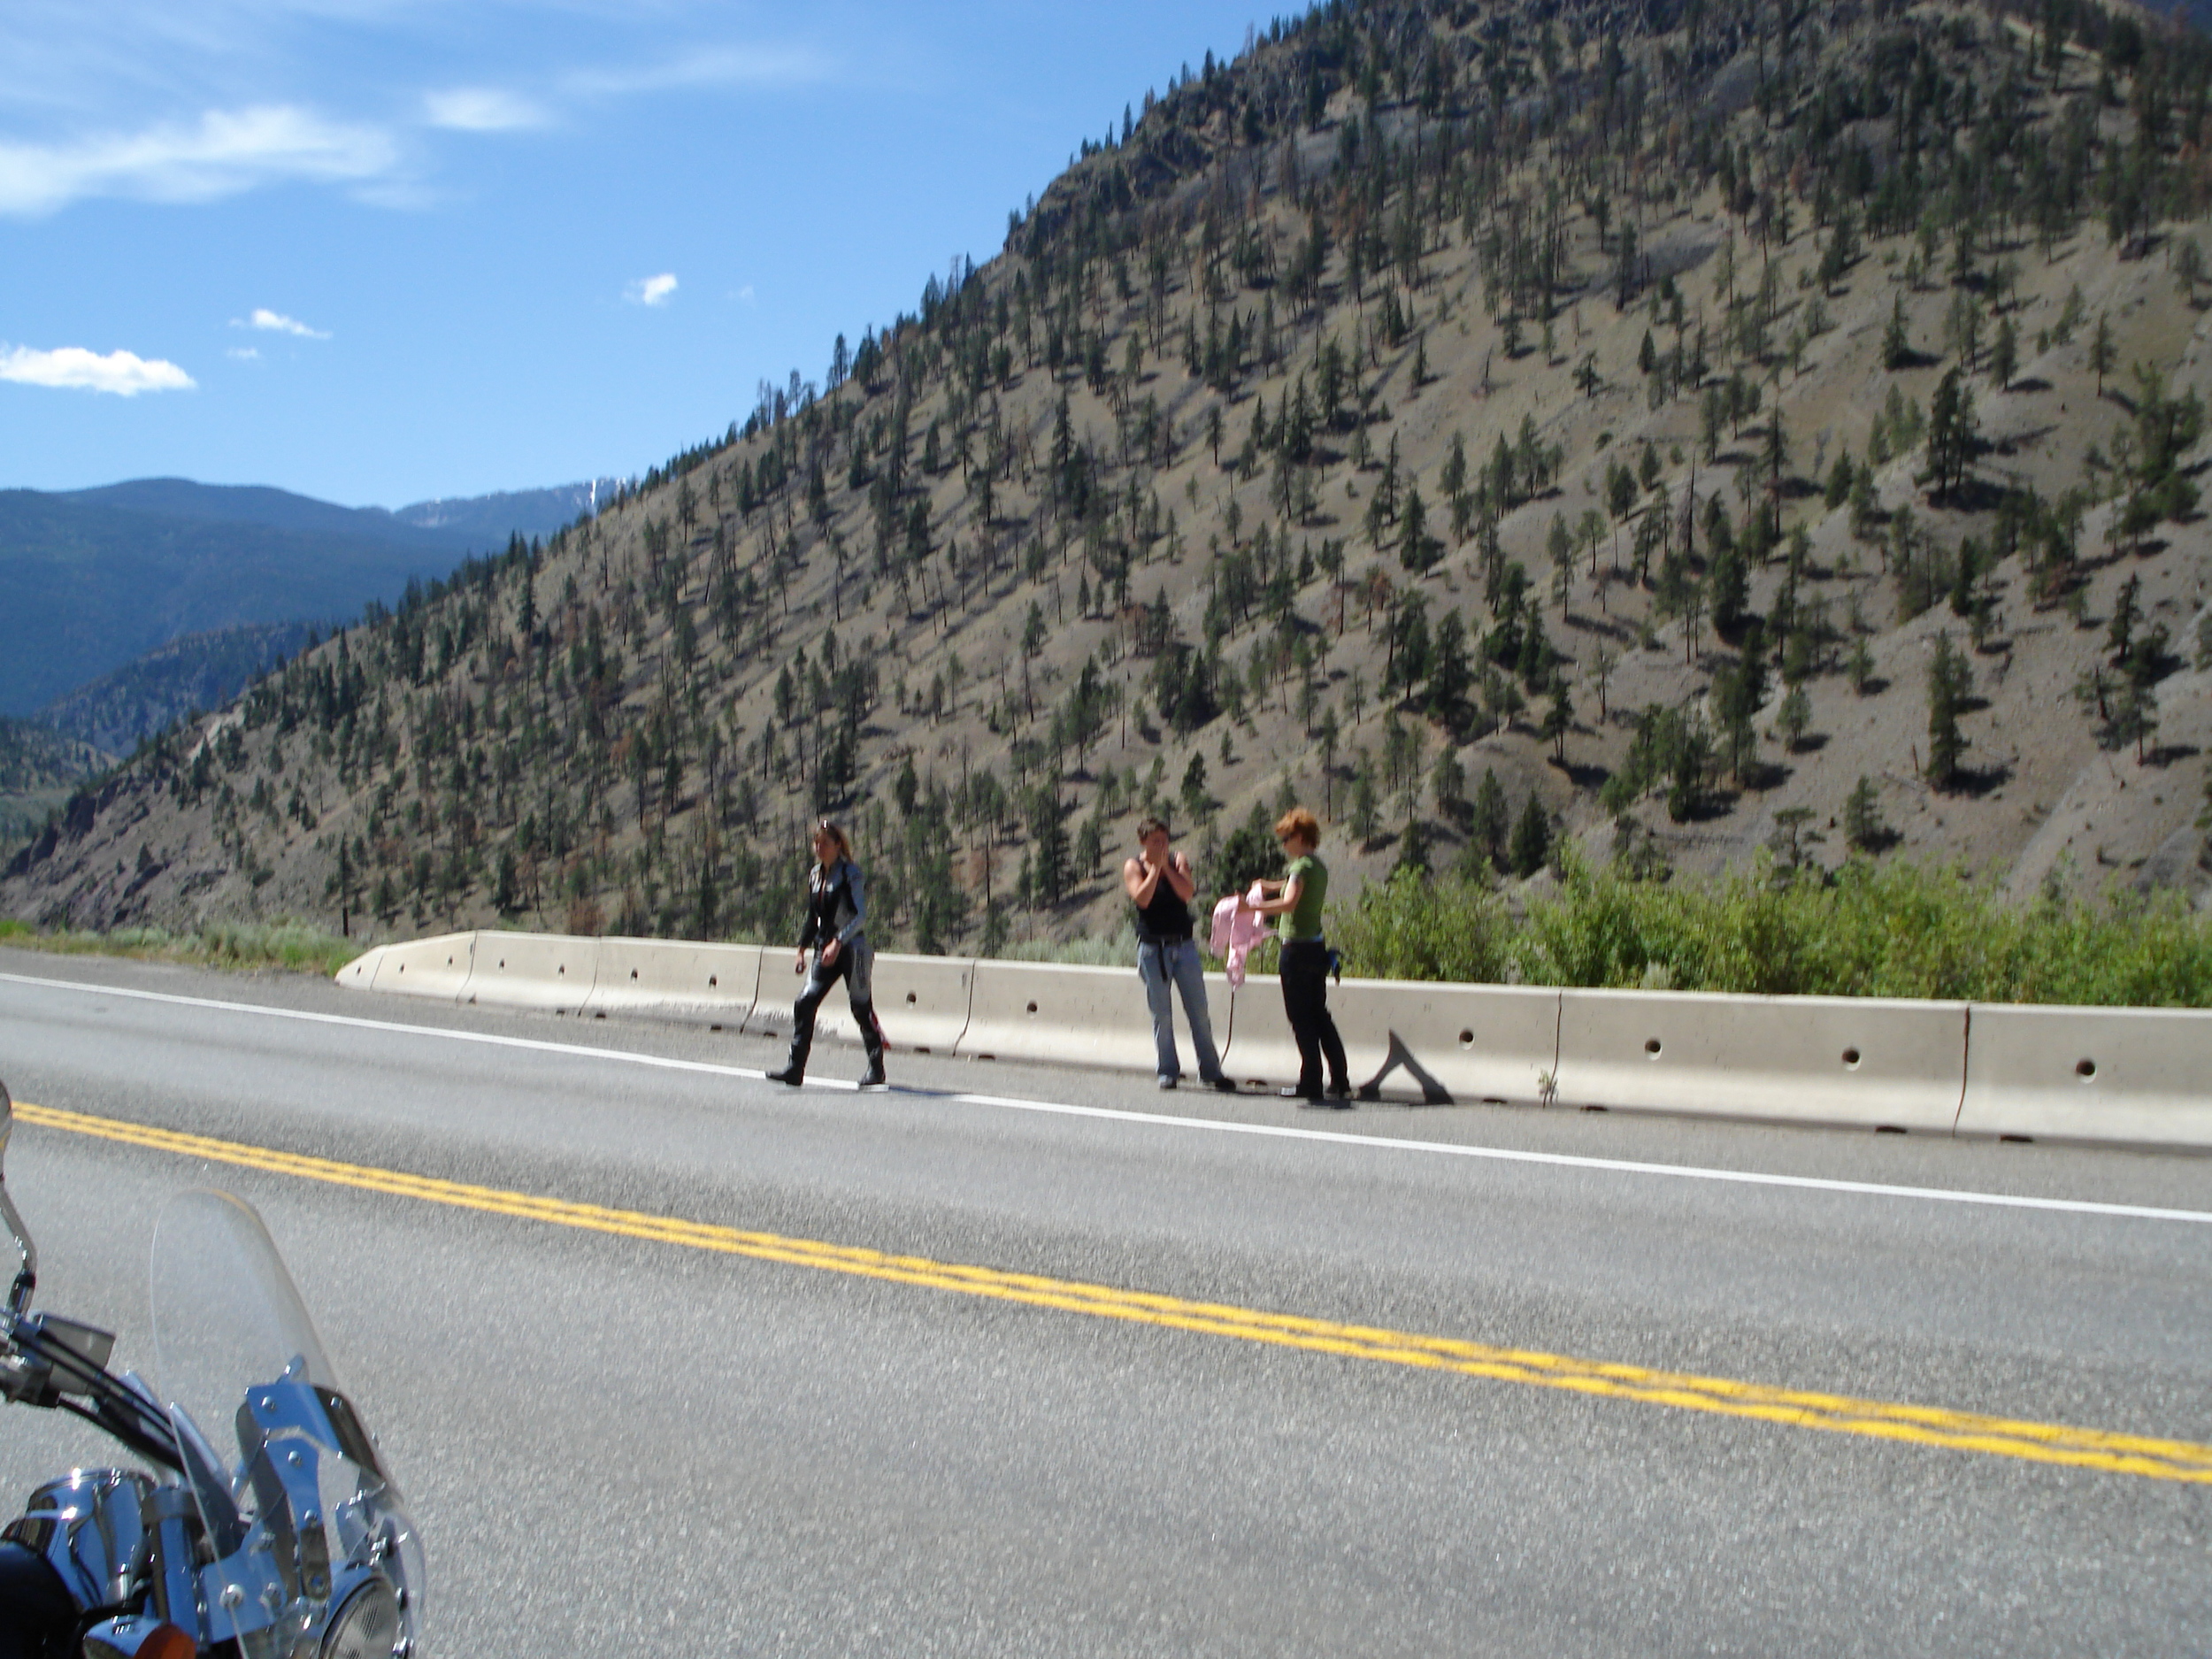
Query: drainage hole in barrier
column 1887, row 1129
column 2084, row 1068
column 910, row 996
column 1851, row 1057
column 502, row 962
column 562, row 969
column 2017, row 1141
column 921, row 1047
column 1596, row 1109
column 448, row 962
column 1032, row 1008
column 714, row 1028
column 713, row 980
column 1466, row 1039
column 1651, row 1045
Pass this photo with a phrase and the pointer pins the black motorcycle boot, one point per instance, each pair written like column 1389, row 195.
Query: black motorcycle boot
column 871, row 1036
column 793, row 1071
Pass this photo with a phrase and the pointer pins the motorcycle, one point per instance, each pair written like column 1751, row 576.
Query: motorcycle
column 297, row 1548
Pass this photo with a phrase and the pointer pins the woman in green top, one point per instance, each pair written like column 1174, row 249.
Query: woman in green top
column 1298, row 898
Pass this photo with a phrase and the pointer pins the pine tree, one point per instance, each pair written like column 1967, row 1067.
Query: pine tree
column 1896, row 344
column 1051, row 869
column 1448, row 784
column 1862, row 817
column 2004, row 355
column 1952, row 435
column 1559, row 718
column 1859, row 667
column 1795, row 714
column 1366, row 808
column 1949, row 681
column 1416, row 549
column 1532, row 838
column 1728, row 586
column 1491, row 823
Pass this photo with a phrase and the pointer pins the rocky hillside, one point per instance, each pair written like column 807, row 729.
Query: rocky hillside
column 39, row 768
column 1694, row 429
column 172, row 683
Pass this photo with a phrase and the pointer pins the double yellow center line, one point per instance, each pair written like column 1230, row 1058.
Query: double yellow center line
column 1840, row 1414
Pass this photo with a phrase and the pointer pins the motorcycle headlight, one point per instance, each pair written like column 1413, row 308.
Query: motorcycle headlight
column 368, row 1627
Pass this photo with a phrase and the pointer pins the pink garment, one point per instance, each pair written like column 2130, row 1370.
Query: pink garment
column 1236, row 930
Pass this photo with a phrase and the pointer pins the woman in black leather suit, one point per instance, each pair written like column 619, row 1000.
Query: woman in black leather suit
column 836, row 931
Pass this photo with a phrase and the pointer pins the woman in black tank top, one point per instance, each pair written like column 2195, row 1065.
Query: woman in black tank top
column 1167, row 917
column 1160, row 885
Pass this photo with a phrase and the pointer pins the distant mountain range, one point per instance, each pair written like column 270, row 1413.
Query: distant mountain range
column 488, row 519
column 95, row 578
column 199, row 671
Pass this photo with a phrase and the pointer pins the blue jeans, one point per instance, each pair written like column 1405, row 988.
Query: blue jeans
column 1178, row 960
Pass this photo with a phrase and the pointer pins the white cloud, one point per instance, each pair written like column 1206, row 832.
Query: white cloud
column 745, row 294
column 227, row 152
column 244, row 354
column 482, row 109
column 124, row 373
column 709, row 66
column 652, row 290
column 278, row 323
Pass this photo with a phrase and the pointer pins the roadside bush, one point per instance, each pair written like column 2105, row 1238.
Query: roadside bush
column 291, row 946
column 1897, row 929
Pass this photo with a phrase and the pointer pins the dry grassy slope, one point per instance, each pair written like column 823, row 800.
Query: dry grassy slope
column 134, row 854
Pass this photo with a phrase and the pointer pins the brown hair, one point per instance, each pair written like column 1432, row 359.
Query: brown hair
column 830, row 827
column 1145, row 826
column 1299, row 821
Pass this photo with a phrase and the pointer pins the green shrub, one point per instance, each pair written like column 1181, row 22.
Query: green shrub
column 1426, row 928
column 292, row 945
column 1898, row 930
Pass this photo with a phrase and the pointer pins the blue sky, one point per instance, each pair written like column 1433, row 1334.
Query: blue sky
column 381, row 250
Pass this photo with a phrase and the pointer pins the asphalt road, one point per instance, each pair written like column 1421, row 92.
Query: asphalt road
column 755, row 1437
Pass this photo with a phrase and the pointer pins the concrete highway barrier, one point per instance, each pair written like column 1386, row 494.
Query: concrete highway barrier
column 1808, row 1059
column 360, row 973
column 2133, row 1076
column 547, row 972
column 1072, row 1016
column 2139, row 1076
column 1429, row 1042
column 663, row 978
column 922, row 1002
column 436, row 967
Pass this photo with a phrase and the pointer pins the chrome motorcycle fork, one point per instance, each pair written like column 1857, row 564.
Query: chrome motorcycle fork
column 170, row 1520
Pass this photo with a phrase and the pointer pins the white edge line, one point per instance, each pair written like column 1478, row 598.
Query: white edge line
column 1278, row 1131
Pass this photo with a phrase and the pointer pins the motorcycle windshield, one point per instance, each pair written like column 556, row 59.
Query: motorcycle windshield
column 302, row 1522
column 227, row 1316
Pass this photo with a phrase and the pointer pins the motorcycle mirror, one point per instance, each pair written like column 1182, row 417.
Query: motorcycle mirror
column 26, row 1276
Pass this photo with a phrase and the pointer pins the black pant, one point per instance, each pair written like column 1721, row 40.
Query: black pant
column 854, row 964
column 1306, row 1001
